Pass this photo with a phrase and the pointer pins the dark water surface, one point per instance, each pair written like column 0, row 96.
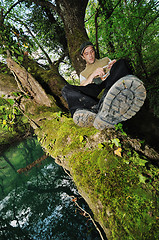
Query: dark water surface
column 38, row 204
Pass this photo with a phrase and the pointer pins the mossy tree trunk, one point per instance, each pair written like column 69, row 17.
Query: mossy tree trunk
column 27, row 84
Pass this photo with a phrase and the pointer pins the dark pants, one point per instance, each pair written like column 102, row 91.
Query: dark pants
column 85, row 97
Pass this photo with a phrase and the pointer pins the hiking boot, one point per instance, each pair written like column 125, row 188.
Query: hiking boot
column 123, row 100
column 84, row 118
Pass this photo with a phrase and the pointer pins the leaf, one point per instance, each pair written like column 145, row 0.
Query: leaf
column 11, row 101
column 25, row 45
column 59, row 114
column 100, row 145
column 142, row 179
column 81, row 138
column 118, row 152
column 20, row 58
column 16, row 51
column 142, row 162
column 4, row 122
column 116, row 141
column 15, row 94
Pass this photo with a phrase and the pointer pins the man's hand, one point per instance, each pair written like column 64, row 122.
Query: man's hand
column 111, row 64
column 98, row 72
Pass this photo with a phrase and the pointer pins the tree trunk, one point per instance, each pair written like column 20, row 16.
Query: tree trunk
column 7, row 84
column 72, row 13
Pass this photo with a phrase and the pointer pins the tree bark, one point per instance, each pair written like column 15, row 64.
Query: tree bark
column 50, row 80
column 28, row 84
column 72, row 13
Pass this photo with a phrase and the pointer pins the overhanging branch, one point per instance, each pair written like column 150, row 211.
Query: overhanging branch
column 12, row 8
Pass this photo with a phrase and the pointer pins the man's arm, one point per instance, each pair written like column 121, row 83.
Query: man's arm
column 98, row 72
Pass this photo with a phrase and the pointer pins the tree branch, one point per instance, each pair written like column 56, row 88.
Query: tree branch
column 37, row 42
column 86, row 214
column 12, row 8
column 45, row 4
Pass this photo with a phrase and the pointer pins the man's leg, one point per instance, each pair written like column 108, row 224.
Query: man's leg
column 84, row 97
column 77, row 97
column 123, row 97
column 81, row 106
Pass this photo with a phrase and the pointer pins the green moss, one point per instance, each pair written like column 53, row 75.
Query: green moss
column 119, row 189
column 125, row 187
column 60, row 132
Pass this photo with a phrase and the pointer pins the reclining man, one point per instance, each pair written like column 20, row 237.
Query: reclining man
column 123, row 93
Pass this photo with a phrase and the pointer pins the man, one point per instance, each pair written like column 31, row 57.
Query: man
column 123, row 95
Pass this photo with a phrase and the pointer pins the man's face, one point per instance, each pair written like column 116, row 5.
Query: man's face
column 89, row 55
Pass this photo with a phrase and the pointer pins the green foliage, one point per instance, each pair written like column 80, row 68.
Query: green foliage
column 137, row 160
column 114, row 142
column 119, row 127
column 125, row 28
column 11, row 119
column 50, row 33
column 101, row 145
column 15, row 41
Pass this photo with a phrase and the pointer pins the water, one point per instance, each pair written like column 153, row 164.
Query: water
column 38, row 204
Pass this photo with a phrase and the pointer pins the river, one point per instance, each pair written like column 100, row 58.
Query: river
column 40, row 203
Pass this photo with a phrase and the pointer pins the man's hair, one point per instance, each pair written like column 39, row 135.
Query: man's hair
column 85, row 45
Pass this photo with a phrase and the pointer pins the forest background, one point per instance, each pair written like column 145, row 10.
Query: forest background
column 40, row 41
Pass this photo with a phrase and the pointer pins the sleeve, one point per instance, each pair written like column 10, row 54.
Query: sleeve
column 82, row 78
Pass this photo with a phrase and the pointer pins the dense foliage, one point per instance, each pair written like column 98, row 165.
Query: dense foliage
column 129, row 29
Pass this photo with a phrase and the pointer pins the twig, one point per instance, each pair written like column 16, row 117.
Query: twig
column 86, row 214
column 19, row 85
column 67, row 172
column 31, row 120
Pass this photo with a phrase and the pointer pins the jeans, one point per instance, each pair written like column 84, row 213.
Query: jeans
column 85, row 97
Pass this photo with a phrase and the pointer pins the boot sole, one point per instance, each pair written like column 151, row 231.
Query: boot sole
column 123, row 101
column 84, row 118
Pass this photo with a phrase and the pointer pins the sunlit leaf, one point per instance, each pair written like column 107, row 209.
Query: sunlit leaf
column 118, row 152
column 81, row 138
column 142, row 179
column 116, row 141
column 100, row 145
